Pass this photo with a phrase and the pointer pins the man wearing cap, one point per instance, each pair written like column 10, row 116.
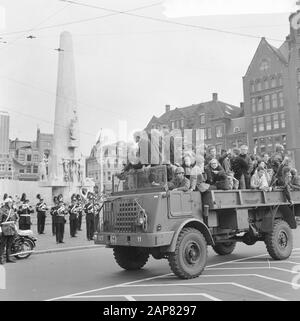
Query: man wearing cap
column 60, row 220
column 89, row 210
column 41, row 209
column 179, row 183
column 73, row 211
column 8, row 230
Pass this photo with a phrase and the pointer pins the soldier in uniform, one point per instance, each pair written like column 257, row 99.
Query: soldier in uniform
column 24, row 212
column 41, row 209
column 179, row 183
column 73, row 212
column 89, row 210
column 8, row 230
column 52, row 213
column 80, row 202
column 60, row 220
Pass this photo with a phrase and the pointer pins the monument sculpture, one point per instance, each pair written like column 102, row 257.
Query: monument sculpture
column 66, row 163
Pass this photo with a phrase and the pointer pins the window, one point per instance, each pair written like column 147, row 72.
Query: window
column 253, row 105
column 280, row 81
column 202, row 119
column 108, row 163
column 262, row 145
column 28, row 158
column 21, row 171
column 28, row 169
column 36, row 158
column 273, row 82
column 172, row 125
column 261, row 125
column 108, row 176
column 258, row 85
column 255, row 125
column 282, row 120
column 274, row 101
column 270, row 143
column 281, row 103
column 275, row 121
column 35, row 169
column 267, row 102
column 266, row 82
column 219, row 131
column 252, row 87
column 284, row 140
column 208, row 135
column 259, row 104
column 2, row 167
column 21, row 157
column 182, row 123
column 237, row 130
column 268, row 122
column 9, row 167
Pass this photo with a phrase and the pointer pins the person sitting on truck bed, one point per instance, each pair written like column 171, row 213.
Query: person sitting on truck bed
column 259, row 179
column 295, row 180
column 179, row 183
column 214, row 173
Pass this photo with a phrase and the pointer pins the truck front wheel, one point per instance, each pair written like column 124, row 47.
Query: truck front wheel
column 224, row 248
column 280, row 241
column 189, row 259
column 131, row 258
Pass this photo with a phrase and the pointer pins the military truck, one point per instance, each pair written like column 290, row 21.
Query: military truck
column 146, row 219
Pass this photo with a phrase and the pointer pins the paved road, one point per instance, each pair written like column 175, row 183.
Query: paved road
column 248, row 274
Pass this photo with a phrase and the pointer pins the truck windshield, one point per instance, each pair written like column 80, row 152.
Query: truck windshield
column 148, row 178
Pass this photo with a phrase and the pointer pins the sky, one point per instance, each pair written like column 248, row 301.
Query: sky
column 128, row 67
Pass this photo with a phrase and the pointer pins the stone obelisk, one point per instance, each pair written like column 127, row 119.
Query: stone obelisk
column 66, row 174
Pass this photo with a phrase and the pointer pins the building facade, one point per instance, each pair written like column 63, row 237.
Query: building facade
column 6, row 167
column 224, row 124
column 102, row 168
column 272, row 96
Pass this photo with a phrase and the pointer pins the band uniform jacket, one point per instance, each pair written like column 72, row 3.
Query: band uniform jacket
column 24, row 212
column 60, row 213
column 74, row 210
column 41, row 207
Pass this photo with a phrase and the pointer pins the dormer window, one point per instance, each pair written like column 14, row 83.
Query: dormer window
column 202, row 119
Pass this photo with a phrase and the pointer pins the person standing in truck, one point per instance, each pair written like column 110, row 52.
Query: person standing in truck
column 180, row 182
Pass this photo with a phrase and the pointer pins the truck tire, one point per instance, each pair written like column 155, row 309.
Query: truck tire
column 131, row 258
column 189, row 259
column 279, row 242
column 224, row 248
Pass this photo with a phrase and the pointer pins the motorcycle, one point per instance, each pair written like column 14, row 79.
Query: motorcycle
column 23, row 244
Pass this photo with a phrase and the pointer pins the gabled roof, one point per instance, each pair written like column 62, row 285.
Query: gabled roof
column 215, row 108
column 280, row 53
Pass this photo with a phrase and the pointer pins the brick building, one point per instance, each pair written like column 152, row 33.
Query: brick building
column 272, row 96
column 224, row 124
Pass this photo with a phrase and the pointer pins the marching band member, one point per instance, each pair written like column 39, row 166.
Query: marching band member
column 52, row 212
column 41, row 209
column 60, row 220
column 24, row 212
column 73, row 212
column 8, row 218
column 81, row 203
column 90, row 216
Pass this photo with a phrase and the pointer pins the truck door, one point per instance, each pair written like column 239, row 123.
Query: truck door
column 180, row 204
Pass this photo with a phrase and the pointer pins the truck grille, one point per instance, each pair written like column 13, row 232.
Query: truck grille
column 120, row 216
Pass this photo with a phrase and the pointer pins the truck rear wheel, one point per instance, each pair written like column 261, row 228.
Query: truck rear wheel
column 224, row 248
column 131, row 258
column 280, row 241
column 189, row 259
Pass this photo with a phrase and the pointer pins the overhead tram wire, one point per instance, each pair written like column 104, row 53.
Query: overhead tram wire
column 170, row 22
column 36, row 26
column 81, row 20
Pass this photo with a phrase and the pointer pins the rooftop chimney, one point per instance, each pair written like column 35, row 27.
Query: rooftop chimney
column 168, row 108
column 215, row 96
